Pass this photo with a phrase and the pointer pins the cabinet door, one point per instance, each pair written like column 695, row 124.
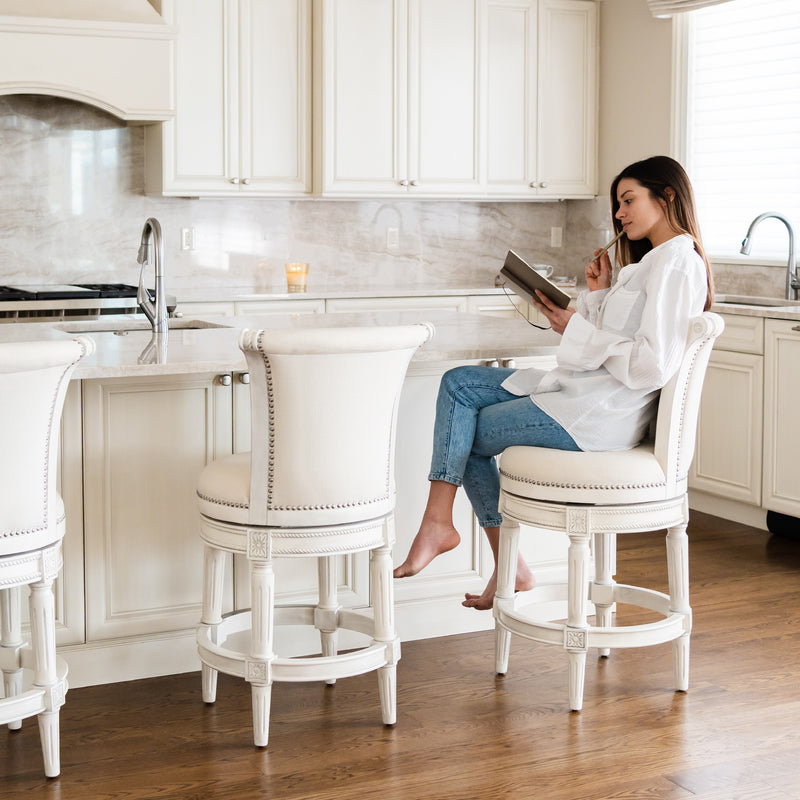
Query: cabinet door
column 510, row 46
column 443, row 125
column 267, row 307
column 445, row 303
column 498, row 305
column 567, row 112
column 145, row 443
column 727, row 460
column 361, row 100
column 781, row 431
column 198, row 151
column 275, row 97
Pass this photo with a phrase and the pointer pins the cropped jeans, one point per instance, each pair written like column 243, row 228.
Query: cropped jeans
column 476, row 419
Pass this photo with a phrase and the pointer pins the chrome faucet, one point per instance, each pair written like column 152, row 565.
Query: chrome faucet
column 792, row 279
column 151, row 251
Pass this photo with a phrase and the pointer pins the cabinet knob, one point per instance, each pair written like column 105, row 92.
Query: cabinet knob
column 510, row 363
column 796, row 328
column 543, row 184
column 415, row 183
column 533, row 184
column 244, row 377
column 233, row 180
column 493, row 362
column 404, row 183
column 224, row 380
column 246, row 181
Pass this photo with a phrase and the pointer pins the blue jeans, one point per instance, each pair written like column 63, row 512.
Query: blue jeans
column 476, row 419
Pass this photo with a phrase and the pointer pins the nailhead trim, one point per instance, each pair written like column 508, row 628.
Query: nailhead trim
column 560, row 485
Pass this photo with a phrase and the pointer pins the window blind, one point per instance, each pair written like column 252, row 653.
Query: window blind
column 666, row 8
column 743, row 126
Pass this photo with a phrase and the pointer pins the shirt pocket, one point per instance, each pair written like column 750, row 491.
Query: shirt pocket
column 617, row 309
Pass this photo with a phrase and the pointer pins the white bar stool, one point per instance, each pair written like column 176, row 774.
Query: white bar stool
column 318, row 482
column 594, row 496
column 33, row 383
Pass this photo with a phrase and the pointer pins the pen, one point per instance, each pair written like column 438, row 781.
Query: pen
column 607, row 247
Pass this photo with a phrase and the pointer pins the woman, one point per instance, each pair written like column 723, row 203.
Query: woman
column 618, row 348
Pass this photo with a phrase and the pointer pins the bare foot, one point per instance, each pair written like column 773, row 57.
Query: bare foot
column 485, row 600
column 432, row 540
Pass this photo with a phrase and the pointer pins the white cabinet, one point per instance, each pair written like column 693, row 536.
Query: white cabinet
column 396, row 103
column 443, row 303
column 781, row 429
column 243, row 101
column 540, row 84
column 191, row 310
column 473, row 98
column 728, row 453
column 267, row 307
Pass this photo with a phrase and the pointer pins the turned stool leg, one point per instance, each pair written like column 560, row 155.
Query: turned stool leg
column 259, row 666
column 213, row 582
column 605, row 550
column 327, row 607
column 382, row 588
column 506, row 583
column 11, row 639
column 43, row 642
column 678, row 571
column 575, row 634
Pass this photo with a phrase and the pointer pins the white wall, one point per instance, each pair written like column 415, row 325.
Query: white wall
column 635, row 86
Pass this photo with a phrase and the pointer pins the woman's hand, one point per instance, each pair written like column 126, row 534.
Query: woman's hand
column 598, row 273
column 557, row 317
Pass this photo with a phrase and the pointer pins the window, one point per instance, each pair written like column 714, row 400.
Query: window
column 743, row 122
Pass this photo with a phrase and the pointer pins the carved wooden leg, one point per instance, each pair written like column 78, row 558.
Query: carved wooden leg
column 382, row 588
column 213, row 582
column 259, row 665
column 506, row 583
column 678, row 570
column 605, row 550
column 575, row 634
column 43, row 643
column 11, row 638
column 327, row 607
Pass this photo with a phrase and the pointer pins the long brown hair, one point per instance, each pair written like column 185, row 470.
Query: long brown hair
column 658, row 175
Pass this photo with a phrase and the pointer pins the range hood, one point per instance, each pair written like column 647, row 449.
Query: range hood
column 117, row 55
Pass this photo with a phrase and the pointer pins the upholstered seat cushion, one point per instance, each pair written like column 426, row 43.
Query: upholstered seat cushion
column 223, row 489
column 625, row 476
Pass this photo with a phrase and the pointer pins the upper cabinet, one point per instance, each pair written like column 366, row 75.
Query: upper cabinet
column 466, row 98
column 540, row 98
column 481, row 99
column 243, row 102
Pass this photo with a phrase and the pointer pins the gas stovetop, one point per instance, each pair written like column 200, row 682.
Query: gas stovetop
column 66, row 291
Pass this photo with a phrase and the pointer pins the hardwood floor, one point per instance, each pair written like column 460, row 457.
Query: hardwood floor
column 464, row 732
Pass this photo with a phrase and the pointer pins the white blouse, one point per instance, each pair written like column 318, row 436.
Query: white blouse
column 621, row 347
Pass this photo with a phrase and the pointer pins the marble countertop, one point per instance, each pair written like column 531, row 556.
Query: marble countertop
column 129, row 349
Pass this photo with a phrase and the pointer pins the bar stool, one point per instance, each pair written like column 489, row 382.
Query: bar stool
column 318, row 482
column 33, row 383
column 594, row 496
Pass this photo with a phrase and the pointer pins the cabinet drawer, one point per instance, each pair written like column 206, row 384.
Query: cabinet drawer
column 742, row 334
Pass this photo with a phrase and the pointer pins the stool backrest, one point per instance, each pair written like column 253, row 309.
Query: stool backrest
column 324, row 407
column 679, row 403
column 33, row 383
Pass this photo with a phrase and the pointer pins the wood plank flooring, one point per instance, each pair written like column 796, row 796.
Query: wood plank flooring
column 464, row 732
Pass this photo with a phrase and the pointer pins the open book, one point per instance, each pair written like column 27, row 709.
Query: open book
column 524, row 280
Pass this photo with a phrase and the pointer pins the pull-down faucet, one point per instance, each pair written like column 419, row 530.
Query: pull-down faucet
column 151, row 251
column 792, row 280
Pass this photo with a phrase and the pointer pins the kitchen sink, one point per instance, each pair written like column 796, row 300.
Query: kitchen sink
column 123, row 326
column 758, row 302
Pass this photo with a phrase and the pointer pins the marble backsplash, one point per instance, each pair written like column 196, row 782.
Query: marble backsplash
column 72, row 205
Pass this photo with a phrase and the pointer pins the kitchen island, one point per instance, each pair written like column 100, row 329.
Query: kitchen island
column 142, row 419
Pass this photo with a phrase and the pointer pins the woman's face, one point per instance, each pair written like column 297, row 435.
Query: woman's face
column 642, row 215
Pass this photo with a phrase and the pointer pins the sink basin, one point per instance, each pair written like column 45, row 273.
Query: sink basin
column 758, row 302
column 123, row 326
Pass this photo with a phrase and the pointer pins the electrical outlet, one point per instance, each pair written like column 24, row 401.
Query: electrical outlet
column 392, row 238
column 556, row 238
column 187, row 238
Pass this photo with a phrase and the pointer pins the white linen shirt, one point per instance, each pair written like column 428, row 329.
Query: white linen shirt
column 621, row 347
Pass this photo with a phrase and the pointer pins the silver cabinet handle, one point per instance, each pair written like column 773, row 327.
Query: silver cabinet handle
column 509, row 363
column 415, row 183
column 224, row 380
column 492, row 362
column 246, row 181
column 404, row 183
column 233, row 180
column 533, row 184
column 543, row 184
column 244, row 377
